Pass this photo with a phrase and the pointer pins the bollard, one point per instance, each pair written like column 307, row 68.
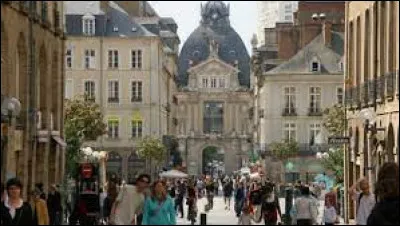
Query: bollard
column 203, row 219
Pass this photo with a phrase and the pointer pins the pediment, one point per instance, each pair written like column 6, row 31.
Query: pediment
column 213, row 66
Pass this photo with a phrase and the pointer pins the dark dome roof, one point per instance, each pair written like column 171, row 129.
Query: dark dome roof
column 214, row 26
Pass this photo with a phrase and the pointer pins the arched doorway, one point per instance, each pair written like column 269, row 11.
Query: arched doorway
column 114, row 165
column 213, row 161
column 390, row 144
column 136, row 166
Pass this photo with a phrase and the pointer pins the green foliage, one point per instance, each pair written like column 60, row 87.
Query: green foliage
column 334, row 162
column 83, row 122
column 334, row 120
column 284, row 150
column 151, row 148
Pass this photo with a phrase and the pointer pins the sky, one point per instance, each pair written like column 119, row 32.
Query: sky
column 243, row 17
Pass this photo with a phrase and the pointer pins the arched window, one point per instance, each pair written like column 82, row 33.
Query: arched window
column 88, row 23
column 315, row 65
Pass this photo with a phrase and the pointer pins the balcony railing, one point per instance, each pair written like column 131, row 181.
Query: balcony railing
column 113, row 100
column 390, row 85
column 289, row 112
column 365, row 94
column 136, row 99
column 380, row 89
column 372, row 92
column 314, row 112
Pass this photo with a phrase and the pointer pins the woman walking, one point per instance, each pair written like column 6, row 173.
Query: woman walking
column 39, row 208
column 386, row 210
column 270, row 207
column 191, row 202
column 159, row 207
column 304, row 210
column 14, row 211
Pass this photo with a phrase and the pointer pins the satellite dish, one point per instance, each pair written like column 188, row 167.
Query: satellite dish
column 11, row 105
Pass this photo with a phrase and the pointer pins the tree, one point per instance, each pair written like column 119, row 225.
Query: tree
column 285, row 149
column 152, row 149
column 83, row 122
column 334, row 120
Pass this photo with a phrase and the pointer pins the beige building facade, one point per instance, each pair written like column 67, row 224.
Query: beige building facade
column 32, row 71
column 372, row 89
column 129, row 71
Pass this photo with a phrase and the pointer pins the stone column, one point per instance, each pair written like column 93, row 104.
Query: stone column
column 46, row 164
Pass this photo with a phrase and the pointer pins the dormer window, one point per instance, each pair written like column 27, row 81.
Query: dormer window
column 315, row 65
column 88, row 22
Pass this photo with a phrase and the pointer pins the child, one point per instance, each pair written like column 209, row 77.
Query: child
column 246, row 217
column 330, row 212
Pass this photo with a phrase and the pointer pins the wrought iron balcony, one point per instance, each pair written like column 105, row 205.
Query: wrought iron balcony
column 371, row 92
column 364, row 94
column 113, row 100
column 289, row 112
column 136, row 99
column 390, row 84
column 380, row 91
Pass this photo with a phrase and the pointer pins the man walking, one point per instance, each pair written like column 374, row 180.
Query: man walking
column 365, row 200
column 54, row 205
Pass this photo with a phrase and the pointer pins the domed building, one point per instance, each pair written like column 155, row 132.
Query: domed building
column 213, row 105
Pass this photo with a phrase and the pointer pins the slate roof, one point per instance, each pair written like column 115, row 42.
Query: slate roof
column 117, row 18
column 231, row 46
column 329, row 57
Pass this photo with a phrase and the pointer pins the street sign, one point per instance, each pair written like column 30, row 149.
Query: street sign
column 338, row 140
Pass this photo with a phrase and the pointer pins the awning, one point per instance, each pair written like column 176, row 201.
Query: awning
column 60, row 141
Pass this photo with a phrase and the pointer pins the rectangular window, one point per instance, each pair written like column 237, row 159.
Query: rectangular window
column 68, row 89
column 339, row 95
column 136, row 56
column 89, row 26
column 213, row 117
column 90, row 94
column 113, row 129
column 290, row 100
column 69, row 58
column 222, row 83
column 137, row 128
column 213, row 82
column 289, row 131
column 315, row 99
column 315, row 67
column 205, row 82
column 136, row 89
column 113, row 92
column 113, row 60
column 315, row 129
column 90, row 58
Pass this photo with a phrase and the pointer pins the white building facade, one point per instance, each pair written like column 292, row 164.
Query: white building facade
column 272, row 12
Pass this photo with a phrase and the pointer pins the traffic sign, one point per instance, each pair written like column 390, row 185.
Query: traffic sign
column 338, row 140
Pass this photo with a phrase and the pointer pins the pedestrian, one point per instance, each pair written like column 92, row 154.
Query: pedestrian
column 304, row 210
column 13, row 210
column 228, row 190
column 112, row 194
column 191, row 202
column 270, row 208
column 103, row 196
column 385, row 212
column 128, row 206
column 39, row 208
column 246, row 217
column 54, row 205
column 159, row 207
column 239, row 198
column 39, row 186
column 330, row 213
column 180, row 197
column 365, row 200
column 210, row 194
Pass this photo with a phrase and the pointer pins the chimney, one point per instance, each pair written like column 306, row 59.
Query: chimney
column 327, row 33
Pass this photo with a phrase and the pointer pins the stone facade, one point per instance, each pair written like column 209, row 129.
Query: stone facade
column 372, row 86
column 32, row 71
column 190, row 113
column 130, row 110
